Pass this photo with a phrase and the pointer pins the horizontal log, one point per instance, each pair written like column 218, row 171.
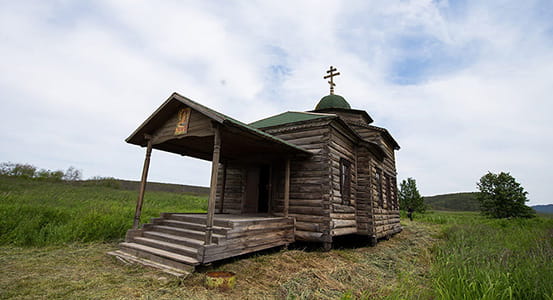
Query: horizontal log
column 306, row 210
column 342, row 216
column 305, row 196
column 307, row 226
column 343, row 231
column 321, row 132
column 313, row 219
column 337, row 223
column 306, row 188
column 309, row 236
column 342, row 208
column 314, row 203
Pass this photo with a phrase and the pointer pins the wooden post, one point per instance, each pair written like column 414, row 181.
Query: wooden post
column 223, row 184
column 138, row 210
column 213, row 185
column 287, row 187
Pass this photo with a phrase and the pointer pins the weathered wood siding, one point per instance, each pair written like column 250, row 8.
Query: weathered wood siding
column 235, row 187
column 352, row 117
column 199, row 125
column 250, row 236
column 385, row 208
column 364, row 207
column 343, row 214
column 309, row 181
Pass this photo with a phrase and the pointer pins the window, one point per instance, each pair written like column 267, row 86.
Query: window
column 379, row 195
column 394, row 190
column 345, row 181
column 389, row 196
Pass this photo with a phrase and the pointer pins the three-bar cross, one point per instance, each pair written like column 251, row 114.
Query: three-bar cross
column 331, row 75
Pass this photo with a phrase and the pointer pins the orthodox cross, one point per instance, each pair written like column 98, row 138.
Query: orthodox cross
column 331, row 75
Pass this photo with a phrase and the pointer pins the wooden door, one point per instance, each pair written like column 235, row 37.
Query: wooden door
column 251, row 196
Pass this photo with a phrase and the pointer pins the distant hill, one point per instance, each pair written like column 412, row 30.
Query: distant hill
column 456, row 202
column 547, row 208
column 151, row 186
column 164, row 187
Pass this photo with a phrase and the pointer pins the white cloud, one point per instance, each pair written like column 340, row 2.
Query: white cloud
column 463, row 86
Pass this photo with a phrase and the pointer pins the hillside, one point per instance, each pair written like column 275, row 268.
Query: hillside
column 453, row 202
column 547, row 208
column 164, row 187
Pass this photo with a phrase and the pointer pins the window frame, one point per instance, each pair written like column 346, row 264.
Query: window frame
column 379, row 187
column 345, row 181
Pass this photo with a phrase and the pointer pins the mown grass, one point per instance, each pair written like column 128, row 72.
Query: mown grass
column 41, row 213
column 84, row 271
column 53, row 244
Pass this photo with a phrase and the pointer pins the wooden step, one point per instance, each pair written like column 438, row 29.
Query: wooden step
column 168, row 246
column 189, row 225
column 194, row 234
column 198, row 219
column 164, row 257
column 171, row 238
column 131, row 259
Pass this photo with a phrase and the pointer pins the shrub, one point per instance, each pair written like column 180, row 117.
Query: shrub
column 409, row 196
column 72, row 174
column 501, row 196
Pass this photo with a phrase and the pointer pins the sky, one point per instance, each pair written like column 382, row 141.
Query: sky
column 465, row 87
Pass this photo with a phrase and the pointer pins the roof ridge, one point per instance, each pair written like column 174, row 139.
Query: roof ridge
column 312, row 113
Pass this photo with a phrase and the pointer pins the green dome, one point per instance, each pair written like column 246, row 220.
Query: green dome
column 332, row 101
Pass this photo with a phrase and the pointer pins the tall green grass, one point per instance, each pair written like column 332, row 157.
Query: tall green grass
column 483, row 258
column 38, row 213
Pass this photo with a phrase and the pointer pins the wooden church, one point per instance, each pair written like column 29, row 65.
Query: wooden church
column 296, row 176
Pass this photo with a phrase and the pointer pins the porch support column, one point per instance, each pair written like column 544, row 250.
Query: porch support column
column 138, row 210
column 213, row 185
column 223, row 185
column 286, row 187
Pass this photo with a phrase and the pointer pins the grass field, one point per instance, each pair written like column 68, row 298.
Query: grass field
column 54, row 237
column 41, row 213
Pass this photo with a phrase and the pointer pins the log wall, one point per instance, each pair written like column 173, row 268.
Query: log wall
column 384, row 220
column 364, row 208
column 309, row 181
column 343, row 213
column 235, row 188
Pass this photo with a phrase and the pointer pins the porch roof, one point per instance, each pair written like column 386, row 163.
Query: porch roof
column 239, row 141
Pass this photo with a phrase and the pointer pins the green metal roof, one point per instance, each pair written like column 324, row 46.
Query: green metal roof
column 333, row 101
column 288, row 117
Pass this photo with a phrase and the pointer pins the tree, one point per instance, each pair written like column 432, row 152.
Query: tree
column 501, row 196
column 72, row 174
column 409, row 196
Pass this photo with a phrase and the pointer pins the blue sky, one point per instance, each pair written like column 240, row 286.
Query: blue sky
column 464, row 86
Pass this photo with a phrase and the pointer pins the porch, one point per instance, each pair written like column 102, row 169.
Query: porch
column 175, row 242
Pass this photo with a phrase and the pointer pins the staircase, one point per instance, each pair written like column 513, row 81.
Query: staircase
column 173, row 243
